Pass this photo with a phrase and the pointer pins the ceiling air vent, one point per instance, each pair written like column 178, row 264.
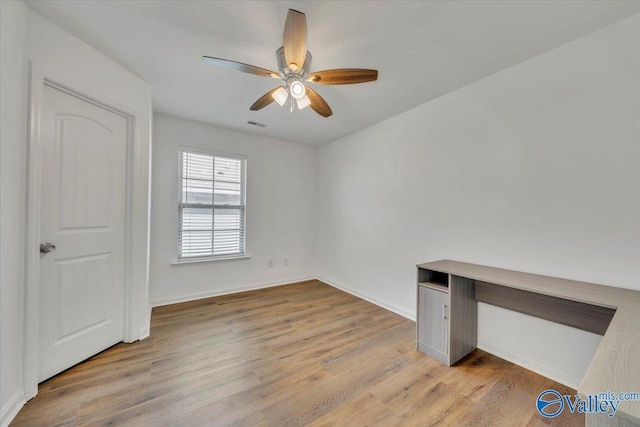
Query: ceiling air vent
column 252, row 123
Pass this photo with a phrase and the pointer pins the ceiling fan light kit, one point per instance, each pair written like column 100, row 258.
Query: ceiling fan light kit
column 303, row 102
column 280, row 95
column 294, row 63
column 297, row 89
column 294, row 77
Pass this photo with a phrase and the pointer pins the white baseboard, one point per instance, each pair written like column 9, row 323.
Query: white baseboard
column 384, row 304
column 532, row 365
column 219, row 292
column 11, row 409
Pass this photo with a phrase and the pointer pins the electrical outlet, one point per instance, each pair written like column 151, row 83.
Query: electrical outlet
column 270, row 264
column 285, row 262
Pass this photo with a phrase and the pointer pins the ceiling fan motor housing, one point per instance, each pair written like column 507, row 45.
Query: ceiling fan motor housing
column 284, row 69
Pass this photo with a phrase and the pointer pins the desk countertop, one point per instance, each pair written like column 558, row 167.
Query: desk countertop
column 616, row 364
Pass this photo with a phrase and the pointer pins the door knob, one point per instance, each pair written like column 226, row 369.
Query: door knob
column 47, row 247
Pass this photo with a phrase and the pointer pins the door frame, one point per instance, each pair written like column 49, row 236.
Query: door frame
column 39, row 78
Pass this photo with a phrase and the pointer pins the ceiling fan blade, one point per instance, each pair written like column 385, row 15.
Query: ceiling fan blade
column 295, row 39
column 343, row 76
column 318, row 104
column 264, row 100
column 239, row 66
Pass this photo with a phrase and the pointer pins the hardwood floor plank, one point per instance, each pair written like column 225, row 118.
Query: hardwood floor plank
column 363, row 410
column 300, row 354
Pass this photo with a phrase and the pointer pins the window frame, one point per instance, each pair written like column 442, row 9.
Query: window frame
column 243, row 183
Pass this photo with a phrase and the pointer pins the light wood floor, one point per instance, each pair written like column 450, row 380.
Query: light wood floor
column 292, row 355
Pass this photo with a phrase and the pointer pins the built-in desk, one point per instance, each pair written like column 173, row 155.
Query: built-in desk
column 448, row 291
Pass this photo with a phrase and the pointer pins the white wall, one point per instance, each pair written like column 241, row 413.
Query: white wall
column 13, row 127
column 281, row 213
column 535, row 168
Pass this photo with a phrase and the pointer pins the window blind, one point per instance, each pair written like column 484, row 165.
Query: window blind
column 211, row 206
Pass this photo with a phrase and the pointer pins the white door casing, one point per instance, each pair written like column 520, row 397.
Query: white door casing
column 129, row 100
column 82, row 212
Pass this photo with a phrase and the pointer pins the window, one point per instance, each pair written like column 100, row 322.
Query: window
column 212, row 205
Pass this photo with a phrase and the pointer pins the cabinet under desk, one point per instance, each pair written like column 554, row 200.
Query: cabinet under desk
column 446, row 327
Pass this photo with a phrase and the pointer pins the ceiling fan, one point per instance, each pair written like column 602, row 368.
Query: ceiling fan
column 294, row 62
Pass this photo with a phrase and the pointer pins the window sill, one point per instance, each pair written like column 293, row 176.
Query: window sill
column 199, row 260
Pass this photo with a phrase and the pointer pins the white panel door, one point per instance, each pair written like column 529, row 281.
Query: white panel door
column 83, row 214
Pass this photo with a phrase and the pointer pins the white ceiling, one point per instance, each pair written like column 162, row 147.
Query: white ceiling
column 421, row 49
